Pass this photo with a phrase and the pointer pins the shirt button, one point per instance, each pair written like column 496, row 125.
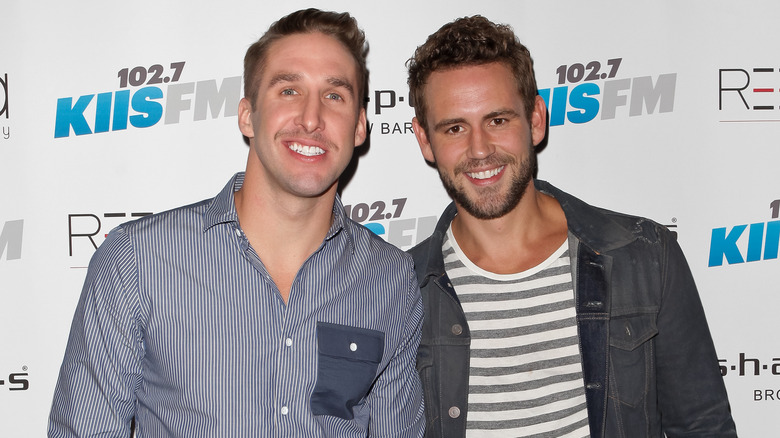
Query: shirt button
column 457, row 329
column 238, row 232
column 284, row 410
column 353, row 347
column 454, row 412
column 288, row 342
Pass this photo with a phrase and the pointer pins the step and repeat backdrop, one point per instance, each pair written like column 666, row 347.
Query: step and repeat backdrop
column 111, row 111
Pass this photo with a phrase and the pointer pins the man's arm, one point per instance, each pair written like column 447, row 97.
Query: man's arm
column 691, row 394
column 396, row 400
column 95, row 392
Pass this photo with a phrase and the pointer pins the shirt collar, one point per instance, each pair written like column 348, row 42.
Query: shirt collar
column 222, row 209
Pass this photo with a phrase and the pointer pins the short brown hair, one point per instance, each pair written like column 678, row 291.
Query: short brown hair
column 470, row 41
column 340, row 26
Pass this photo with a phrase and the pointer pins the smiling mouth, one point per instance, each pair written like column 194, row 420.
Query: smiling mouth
column 308, row 151
column 485, row 174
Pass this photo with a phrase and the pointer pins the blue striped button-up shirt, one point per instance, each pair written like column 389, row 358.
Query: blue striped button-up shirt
column 180, row 326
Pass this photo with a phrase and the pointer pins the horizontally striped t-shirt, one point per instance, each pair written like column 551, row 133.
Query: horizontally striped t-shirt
column 525, row 377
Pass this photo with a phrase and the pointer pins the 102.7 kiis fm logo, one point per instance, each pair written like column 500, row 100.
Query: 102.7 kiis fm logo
column 584, row 91
column 762, row 242
column 587, row 89
column 384, row 219
column 146, row 96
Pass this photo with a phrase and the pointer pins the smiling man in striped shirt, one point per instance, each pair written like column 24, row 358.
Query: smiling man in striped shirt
column 263, row 312
column 544, row 316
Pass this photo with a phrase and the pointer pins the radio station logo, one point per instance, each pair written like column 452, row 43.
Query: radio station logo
column 145, row 97
column 584, row 91
column 18, row 381
column 384, row 219
column 599, row 90
column 11, row 240
column 4, row 112
column 761, row 243
column 749, row 93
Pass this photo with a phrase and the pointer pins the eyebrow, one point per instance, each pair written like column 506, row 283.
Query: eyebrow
column 342, row 83
column 293, row 77
column 501, row 112
column 284, row 77
column 488, row 116
column 448, row 122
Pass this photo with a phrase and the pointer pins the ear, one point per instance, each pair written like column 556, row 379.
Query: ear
column 245, row 118
column 538, row 121
column 360, row 129
column 422, row 140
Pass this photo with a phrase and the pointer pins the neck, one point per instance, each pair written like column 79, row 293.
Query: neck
column 283, row 229
column 517, row 241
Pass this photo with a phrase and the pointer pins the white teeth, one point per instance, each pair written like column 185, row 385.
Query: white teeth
column 485, row 174
column 309, row 151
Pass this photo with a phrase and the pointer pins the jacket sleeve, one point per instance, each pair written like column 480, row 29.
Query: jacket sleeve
column 95, row 392
column 691, row 393
column 397, row 408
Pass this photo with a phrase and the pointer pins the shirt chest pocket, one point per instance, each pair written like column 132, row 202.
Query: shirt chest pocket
column 347, row 362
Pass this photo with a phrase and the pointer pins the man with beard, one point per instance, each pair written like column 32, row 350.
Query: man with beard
column 544, row 316
column 263, row 312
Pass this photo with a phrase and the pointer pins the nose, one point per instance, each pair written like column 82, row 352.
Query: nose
column 310, row 116
column 480, row 145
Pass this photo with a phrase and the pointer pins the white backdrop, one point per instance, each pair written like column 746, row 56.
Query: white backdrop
column 665, row 109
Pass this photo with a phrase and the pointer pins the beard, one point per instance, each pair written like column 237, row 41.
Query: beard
column 491, row 202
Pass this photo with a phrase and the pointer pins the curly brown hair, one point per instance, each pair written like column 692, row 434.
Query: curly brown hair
column 340, row 26
column 470, row 41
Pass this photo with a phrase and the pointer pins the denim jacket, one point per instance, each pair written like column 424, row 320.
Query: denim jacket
column 649, row 364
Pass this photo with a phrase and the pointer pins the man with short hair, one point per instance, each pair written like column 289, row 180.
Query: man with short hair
column 263, row 312
column 544, row 316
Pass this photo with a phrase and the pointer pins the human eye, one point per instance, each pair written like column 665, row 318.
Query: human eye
column 289, row 92
column 498, row 121
column 333, row 96
column 454, row 129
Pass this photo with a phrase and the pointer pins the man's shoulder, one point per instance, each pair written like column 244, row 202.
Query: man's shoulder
column 606, row 226
column 370, row 244
column 172, row 220
column 421, row 250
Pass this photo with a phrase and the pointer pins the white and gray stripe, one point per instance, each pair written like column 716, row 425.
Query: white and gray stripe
column 525, row 371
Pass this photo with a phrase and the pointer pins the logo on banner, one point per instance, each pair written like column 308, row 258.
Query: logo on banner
column 145, row 97
column 11, row 240
column 749, row 93
column 4, row 113
column 748, row 366
column 16, row 381
column 761, row 243
column 384, row 219
column 86, row 231
column 586, row 90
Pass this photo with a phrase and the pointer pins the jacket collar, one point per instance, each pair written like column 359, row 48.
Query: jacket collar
column 588, row 224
